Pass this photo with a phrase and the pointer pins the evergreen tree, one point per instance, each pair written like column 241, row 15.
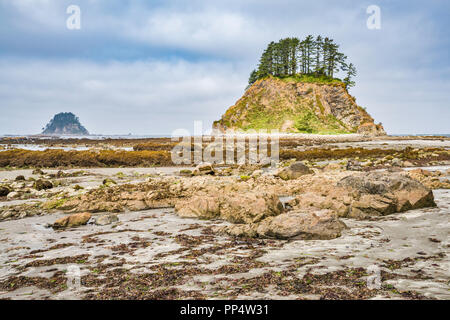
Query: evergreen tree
column 309, row 44
column 351, row 72
column 318, row 51
column 253, row 77
column 291, row 56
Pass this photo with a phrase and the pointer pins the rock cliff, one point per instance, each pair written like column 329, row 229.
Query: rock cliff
column 290, row 105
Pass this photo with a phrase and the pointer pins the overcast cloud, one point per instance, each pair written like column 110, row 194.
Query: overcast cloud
column 149, row 67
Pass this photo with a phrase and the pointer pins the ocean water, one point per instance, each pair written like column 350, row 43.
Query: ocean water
column 128, row 136
column 92, row 136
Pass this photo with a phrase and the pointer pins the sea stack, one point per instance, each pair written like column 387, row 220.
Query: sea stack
column 65, row 123
column 293, row 106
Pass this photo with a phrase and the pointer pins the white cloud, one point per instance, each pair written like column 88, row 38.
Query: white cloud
column 403, row 77
column 115, row 97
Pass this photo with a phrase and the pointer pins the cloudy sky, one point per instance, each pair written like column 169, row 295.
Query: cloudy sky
column 150, row 67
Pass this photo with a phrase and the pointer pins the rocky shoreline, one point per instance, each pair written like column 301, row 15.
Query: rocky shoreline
column 315, row 225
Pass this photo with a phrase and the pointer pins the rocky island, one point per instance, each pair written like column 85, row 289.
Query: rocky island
column 65, row 123
column 294, row 90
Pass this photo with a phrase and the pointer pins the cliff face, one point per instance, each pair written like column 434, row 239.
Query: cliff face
column 293, row 106
column 65, row 123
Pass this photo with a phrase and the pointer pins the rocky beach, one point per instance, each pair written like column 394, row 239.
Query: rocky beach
column 337, row 217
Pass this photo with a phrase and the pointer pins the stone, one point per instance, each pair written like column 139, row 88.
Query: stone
column 204, row 168
column 20, row 178
column 257, row 173
column 73, row 220
column 42, row 184
column 109, row 182
column 429, row 179
column 38, row 172
column 233, row 207
column 202, row 207
column 353, row 165
column 106, row 219
column 4, row 191
column 332, row 167
column 294, row 171
column 386, row 193
column 407, row 164
column 294, row 225
column 13, row 195
column 186, row 173
column 250, row 207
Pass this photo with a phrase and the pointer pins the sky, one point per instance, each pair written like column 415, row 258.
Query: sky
column 152, row 67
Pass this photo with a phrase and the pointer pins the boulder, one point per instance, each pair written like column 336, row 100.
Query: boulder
column 429, row 179
column 353, row 165
column 250, row 207
column 106, row 219
column 4, row 191
column 204, row 168
column 381, row 193
column 202, row 207
column 42, row 184
column 332, row 167
column 38, row 172
column 109, row 182
column 294, row 171
column 233, row 207
column 73, row 220
column 186, row 173
column 305, row 225
column 257, row 173
column 364, row 195
column 13, row 195
column 20, row 178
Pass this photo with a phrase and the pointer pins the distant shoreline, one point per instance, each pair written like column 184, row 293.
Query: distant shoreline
column 281, row 135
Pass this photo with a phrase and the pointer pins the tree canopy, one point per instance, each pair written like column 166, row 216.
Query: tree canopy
column 314, row 56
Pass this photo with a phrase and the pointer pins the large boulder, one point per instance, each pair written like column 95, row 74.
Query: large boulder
column 42, row 184
column 250, row 207
column 364, row 195
column 73, row 220
column 233, row 207
column 429, row 179
column 4, row 191
column 294, row 171
column 381, row 194
column 305, row 225
column 204, row 168
column 106, row 219
column 202, row 207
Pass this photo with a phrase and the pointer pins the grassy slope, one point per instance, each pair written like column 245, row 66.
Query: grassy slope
column 303, row 114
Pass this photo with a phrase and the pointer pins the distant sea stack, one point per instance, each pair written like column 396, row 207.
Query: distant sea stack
column 65, row 123
column 291, row 105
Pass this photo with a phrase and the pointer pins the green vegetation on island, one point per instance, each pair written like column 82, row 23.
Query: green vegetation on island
column 309, row 60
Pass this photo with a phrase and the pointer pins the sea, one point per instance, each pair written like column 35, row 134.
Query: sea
column 131, row 136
